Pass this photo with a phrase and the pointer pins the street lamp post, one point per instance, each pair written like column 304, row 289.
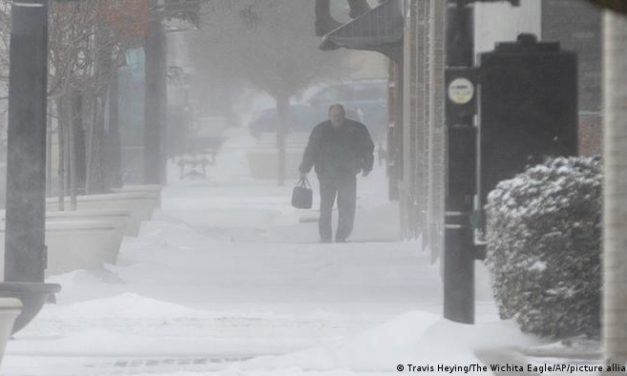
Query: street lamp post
column 25, row 259
column 459, row 249
column 25, row 250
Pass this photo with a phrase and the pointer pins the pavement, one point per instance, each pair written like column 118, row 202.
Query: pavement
column 227, row 272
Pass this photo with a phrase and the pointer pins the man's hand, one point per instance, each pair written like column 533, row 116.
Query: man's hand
column 365, row 173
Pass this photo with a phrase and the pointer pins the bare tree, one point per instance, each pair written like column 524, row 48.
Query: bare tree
column 87, row 39
column 269, row 44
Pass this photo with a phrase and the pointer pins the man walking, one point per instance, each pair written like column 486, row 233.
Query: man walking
column 339, row 149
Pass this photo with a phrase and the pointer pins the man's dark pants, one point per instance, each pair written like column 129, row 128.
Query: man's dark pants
column 345, row 189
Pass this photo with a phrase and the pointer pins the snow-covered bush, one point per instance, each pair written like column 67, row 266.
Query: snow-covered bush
column 544, row 244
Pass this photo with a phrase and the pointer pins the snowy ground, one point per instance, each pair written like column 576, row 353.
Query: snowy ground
column 228, row 279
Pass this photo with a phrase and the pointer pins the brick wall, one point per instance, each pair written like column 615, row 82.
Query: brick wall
column 577, row 26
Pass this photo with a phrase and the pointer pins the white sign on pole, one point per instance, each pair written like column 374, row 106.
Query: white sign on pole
column 461, row 91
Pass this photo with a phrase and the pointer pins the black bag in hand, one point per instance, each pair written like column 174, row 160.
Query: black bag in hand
column 302, row 195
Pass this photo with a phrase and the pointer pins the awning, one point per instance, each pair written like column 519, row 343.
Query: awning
column 380, row 29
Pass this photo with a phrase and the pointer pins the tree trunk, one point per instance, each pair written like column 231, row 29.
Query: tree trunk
column 283, row 108
column 156, row 75
column 96, row 180
column 66, row 132
column 615, row 189
column 49, row 137
column 61, row 130
column 114, row 145
column 78, row 154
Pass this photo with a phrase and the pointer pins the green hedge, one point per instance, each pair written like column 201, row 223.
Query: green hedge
column 544, row 244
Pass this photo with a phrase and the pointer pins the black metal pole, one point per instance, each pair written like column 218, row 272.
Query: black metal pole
column 155, row 81
column 25, row 259
column 459, row 254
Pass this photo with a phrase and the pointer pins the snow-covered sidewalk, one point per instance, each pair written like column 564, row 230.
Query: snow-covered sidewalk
column 228, row 279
